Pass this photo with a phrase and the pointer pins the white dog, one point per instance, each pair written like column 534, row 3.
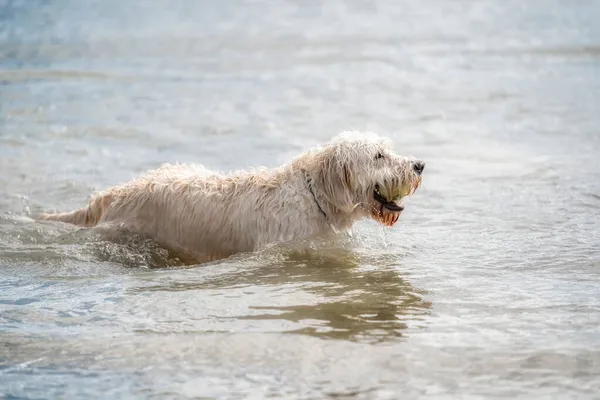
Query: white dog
column 207, row 215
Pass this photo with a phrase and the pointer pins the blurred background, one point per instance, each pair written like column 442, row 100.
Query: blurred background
column 487, row 287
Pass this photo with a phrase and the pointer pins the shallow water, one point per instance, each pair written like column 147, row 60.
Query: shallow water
column 487, row 287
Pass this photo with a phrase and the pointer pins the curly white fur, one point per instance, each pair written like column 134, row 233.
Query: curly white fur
column 207, row 215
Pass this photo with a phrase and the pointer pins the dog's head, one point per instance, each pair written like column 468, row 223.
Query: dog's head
column 360, row 174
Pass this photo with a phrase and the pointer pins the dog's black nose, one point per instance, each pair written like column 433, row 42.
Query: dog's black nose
column 419, row 166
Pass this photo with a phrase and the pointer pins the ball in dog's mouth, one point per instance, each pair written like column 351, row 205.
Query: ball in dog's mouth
column 389, row 210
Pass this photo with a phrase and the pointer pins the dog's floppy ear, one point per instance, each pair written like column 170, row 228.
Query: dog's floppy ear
column 336, row 178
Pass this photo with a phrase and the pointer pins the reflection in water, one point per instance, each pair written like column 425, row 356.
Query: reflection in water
column 354, row 300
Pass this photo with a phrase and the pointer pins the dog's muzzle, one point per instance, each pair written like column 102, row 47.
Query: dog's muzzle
column 390, row 205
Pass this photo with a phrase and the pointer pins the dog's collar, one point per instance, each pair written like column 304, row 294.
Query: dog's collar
column 310, row 189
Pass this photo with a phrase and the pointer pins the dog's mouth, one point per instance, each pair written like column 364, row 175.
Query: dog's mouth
column 390, row 205
column 388, row 211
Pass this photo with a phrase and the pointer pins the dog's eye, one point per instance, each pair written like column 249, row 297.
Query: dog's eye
column 378, row 155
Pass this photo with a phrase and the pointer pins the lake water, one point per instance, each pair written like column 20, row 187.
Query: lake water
column 488, row 287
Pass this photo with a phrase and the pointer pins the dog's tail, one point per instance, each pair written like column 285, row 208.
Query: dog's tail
column 87, row 216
